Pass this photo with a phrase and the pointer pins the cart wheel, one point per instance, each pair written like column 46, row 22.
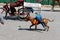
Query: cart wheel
column 22, row 14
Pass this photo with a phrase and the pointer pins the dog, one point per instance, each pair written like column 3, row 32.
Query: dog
column 35, row 22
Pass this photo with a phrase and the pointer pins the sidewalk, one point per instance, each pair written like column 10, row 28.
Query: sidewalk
column 1, row 4
column 48, row 6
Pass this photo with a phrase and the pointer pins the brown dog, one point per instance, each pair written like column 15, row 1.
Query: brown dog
column 35, row 22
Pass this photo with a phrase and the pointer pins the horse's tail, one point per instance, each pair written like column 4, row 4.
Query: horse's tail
column 50, row 20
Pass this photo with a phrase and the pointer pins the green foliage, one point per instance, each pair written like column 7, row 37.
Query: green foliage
column 7, row 1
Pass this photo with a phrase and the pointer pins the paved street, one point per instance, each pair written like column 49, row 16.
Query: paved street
column 10, row 31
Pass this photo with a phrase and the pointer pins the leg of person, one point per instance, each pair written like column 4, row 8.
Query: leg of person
column 44, row 26
column 13, row 10
column 1, row 19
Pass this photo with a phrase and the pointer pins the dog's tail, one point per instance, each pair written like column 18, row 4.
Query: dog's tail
column 46, row 20
column 50, row 20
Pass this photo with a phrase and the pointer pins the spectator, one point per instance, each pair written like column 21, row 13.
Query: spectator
column 1, row 19
column 6, row 9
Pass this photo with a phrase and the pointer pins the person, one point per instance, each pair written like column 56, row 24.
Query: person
column 13, row 10
column 16, row 4
column 20, row 3
column 40, row 19
column 6, row 9
column 1, row 19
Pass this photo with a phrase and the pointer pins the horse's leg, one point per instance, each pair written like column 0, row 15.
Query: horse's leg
column 31, row 26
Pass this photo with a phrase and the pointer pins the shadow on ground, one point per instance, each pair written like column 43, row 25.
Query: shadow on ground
column 38, row 30
column 14, row 18
column 51, row 11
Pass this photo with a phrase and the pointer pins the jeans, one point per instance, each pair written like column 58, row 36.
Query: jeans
column 1, row 18
column 43, row 24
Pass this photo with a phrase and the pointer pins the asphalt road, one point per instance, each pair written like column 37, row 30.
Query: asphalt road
column 10, row 31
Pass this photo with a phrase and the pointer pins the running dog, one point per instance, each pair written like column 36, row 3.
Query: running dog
column 35, row 22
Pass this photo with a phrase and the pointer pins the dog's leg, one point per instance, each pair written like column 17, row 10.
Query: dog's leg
column 47, row 27
column 35, row 27
column 31, row 26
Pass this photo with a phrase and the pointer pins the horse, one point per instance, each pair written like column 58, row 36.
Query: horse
column 35, row 22
column 53, row 1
